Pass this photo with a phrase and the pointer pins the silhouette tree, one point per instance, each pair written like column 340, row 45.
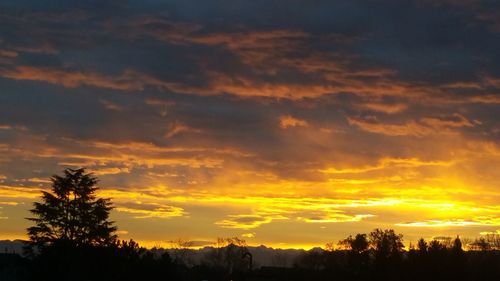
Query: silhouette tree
column 436, row 246
column 422, row 246
column 386, row 243
column 387, row 247
column 480, row 244
column 358, row 244
column 457, row 246
column 71, row 213
column 494, row 240
column 358, row 258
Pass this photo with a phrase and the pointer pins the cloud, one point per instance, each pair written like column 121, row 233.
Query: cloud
column 389, row 163
column 111, row 105
column 384, row 107
column 8, row 54
column 9, row 203
column 308, row 211
column 450, row 223
column 287, row 121
column 131, row 154
column 110, row 171
column 423, row 127
column 73, row 78
column 39, row 180
column 452, row 121
column 178, row 128
column 335, row 218
column 19, row 192
column 140, row 210
column 497, row 232
column 244, row 221
column 249, row 235
column 487, row 99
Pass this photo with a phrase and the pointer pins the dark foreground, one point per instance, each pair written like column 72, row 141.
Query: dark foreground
column 129, row 262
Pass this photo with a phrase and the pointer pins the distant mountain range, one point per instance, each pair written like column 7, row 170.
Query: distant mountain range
column 262, row 255
column 12, row 246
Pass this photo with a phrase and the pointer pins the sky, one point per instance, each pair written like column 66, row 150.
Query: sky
column 285, row 123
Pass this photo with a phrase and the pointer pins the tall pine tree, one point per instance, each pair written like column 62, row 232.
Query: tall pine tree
column 72, row 213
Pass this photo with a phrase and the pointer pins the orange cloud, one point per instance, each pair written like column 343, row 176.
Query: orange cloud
column 179, row 128
column 134, row 154
column 19, row 192
column 411, row 128
column 452, row 121
column 109, row 171
column 384, row 107
column 389, row 162
column 487, row 99
column 287, row 121
column 72, row 79
column 425, row 126
column 8, row 53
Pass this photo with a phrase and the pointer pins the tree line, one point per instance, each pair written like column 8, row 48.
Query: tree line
column 72, row 238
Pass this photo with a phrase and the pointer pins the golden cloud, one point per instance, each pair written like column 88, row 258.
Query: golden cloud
column 141, row 210
column 19, row 192
column 9, row 203
column 244, row 221
column 110, row 171
column 452, row 223
column 334, row 218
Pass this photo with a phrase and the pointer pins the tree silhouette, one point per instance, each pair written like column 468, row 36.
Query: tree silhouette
column 436, row 246
column 358, row 258
column 386, row 243
column 71, row 213
column 387, row 246
column 358, row 244
column 457, row 246
column 422, row 246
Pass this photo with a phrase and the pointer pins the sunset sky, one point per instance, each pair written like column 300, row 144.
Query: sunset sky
column 285, row 123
